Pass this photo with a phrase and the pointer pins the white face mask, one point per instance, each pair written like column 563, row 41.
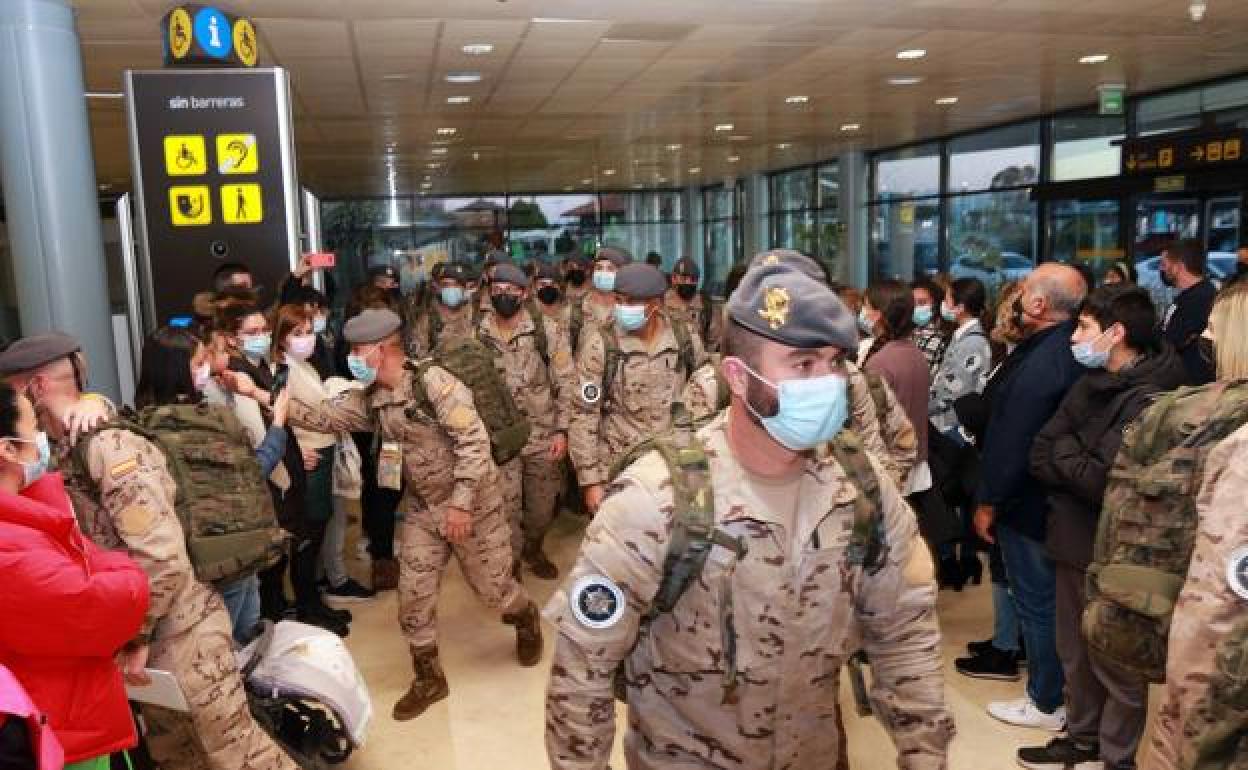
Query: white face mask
column 301, row 347
column 201, row 376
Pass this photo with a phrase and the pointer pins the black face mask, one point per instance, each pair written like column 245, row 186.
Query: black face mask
column 1166, row 279
column 506, row 305
column 548, row 295
column 576, row 277
column 687, row 291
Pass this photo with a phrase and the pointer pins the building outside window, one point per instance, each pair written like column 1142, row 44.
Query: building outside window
column 804, row 214
column 721, row 233
column 904, row 213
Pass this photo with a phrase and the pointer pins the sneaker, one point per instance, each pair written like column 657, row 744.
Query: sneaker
column 348, row 593
column 1024, row 713
column 1061, row 754
column 981, row 647
column 994, row 664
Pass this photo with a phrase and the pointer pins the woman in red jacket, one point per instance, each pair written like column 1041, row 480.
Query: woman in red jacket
column 69, row 609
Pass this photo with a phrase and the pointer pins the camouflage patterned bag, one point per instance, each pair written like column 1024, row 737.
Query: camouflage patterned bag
column 1149, row 521
column 223, row 503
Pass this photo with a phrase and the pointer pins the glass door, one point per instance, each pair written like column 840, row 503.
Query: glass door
column 1085, row 233
column 1160, row 221
column 1222, row 235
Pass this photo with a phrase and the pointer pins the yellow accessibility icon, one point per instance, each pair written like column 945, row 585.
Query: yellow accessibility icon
column 245, row 42
column 185, row 155
column 237, row 154
column 190, row 206
column 242, row 204
column 180, row 33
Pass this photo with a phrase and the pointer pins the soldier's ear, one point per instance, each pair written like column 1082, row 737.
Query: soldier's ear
column 736, row 374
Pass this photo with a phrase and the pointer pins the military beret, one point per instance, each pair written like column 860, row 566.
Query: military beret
column 372, row 325
column 784, row 304
column 497, row 257
column 795, row 259
column 617, row 257
column 640, row 281
column 578, row 260
column 509, row 273
column 687, row 267
column 36, row 351
column 454, row 271
column 436, row 271
column 546, row 272
column 376, row 271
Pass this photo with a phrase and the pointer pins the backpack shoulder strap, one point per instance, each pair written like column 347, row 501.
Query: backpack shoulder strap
column 611, row 364
column 539, row 332
column 420, row 394
column 684, row 341
column 576, row 319
column 867, row 546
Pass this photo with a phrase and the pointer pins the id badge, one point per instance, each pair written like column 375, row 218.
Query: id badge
column 390, row 466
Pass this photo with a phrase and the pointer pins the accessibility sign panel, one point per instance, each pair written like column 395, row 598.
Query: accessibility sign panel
column 237, row 154
column 242, row 204
column 184, row 156
column 190, row 206
column 197, row 35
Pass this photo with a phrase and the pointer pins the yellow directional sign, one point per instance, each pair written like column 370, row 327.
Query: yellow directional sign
column 245, row 42
column 190, row 206
column 180, row 33
column 242, row 204
column 237, row 154
column 185, row 155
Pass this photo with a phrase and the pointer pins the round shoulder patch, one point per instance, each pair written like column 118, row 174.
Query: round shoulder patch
column 591, row 392
column 1237, row 572
column 597, row 602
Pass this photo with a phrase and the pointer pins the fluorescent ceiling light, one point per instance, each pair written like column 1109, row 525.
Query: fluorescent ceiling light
column 478, row 49
column 557, row 20
column 673, row 147
column 945, row 100
column 695, row 170
column 608, row 172
column 739, row 138
column 396, row 76
column 1094, row 58
column 458, row 99
column 661, row 180
column 724, row 127
column 638, row 186
column 432, row 166
column 587, row 181
column 463, row 77
column 447, row 131
column 904, row 80
column 439, row 151
column 798, row 99
column 567, row 188
column 911, row 53
column 850, row 127
column 783, row 146
column 734, row 158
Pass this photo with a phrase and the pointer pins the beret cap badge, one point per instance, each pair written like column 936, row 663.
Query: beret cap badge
column 775, row 307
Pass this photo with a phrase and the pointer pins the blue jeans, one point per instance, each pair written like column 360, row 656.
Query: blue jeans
column 242, row 601
column 1004, row 619
column 1033, row 583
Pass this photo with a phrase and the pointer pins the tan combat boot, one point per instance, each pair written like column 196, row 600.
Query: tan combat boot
column 528, row 625
column 427, row 688
column 537, row 562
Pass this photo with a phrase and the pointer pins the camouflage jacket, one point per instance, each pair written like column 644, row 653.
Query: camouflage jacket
column 799, row 609
column 454, row 323
column 538, row 386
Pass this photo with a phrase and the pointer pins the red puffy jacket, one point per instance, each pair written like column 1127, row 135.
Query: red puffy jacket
column 66, row 608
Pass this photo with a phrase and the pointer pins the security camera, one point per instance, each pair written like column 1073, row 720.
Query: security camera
column 1197, row 10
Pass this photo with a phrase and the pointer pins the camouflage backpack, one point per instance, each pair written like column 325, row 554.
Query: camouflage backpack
column 472, row 363
column 1149, row 521
column 223, row 503
column 694, row 533
column 611, row 341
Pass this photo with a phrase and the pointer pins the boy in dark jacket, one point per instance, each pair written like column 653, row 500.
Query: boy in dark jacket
column 1128, row 364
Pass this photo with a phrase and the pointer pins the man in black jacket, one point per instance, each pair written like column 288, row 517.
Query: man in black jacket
column 1182, row 266
column 1013, row 505
column 1117, row 341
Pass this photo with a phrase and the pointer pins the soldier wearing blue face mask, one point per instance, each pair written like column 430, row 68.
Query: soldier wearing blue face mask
column 595, row 306
column 450, row 315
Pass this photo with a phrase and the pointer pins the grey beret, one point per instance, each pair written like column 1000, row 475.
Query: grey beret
column 795, row 259
column 455, row 271
column 497, row 257
column 578, row 260
column 36, row 351
column 509, row 273
column 547, row 272
column 687, row 267
column 640, row 281
column 617, row 257
column 372, row 325
column 784, row 304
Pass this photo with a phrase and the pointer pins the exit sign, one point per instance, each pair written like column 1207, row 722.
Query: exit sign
column 1112, row 99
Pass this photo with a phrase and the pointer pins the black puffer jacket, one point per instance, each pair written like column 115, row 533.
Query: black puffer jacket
column 1074, row 452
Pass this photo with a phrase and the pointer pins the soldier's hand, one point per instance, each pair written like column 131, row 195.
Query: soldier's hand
column 85, row 415
column 281, row 408
column 593, row 495
column 311, row 459
column 984, row 516
column 559, row 446
column 239, row 383
column 458, row 524
column 133, row 663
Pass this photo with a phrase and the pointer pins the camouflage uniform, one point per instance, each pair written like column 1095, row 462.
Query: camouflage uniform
column 699, row 314
column 1207, row 610
column 799, row 610
column 703, row 399
column 532, row 481
column 128, row 503
column 455, row 323
column 594, row 314
column 446, row 462
column 647, row 383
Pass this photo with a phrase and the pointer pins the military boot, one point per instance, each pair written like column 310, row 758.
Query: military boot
column 528, row 625
column 427, row 688
column 385, row 575
column 537, row 561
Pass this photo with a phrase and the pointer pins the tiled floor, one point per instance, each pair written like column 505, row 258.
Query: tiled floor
column 493, row 718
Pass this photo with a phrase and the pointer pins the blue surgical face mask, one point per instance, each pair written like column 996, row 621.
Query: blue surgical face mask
column 604, row 280
column 34, row 470
column 865, row 323
column 319, row 324
column 948, row 313
column 922, row 315
column 812, row 411
column 630, row 318
column 360, row 370
column 1086, row 354
column 257, row 345
column 451, row 296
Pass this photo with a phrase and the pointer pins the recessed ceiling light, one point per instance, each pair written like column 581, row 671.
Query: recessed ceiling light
column 558, row 20
column 447, row 131
column 673, row 147
column 798, row 99
column 1094, row 58
column 458, row 99
column 695, row 170
column 911, row 53
column 587, row 181
column 396, row 76
column 947, row 100
column 439, row 151
column 724, row 127
column 433, row 166
column 476, row 156
column 463, row 77
column 608, row 172
column 783, row 146
column 739, row 138
column 734, row 158
column 567, row 188
column 850, row 127
column 904, row 80
column 661, row 180
column 638, row 186
column 478, row 49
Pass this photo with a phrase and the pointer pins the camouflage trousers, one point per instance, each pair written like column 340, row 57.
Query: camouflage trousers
column 423, row 553
column 219, row 732
column 531, row 486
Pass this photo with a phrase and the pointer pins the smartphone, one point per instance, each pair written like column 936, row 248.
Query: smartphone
column 280, row 378
column 322, row 259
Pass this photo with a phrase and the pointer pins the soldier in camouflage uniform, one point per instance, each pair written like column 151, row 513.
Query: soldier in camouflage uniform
column 613, row 410
column 1205, row 706
column 452, row 502
column 576, row 269
column 683, row 302
column 597, row 305
column 537, row 367
column 450, row 315
column 128, row 504
column 744, row 670
column 549, row 297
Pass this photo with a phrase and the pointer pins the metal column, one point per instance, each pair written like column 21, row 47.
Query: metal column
column 48, row 174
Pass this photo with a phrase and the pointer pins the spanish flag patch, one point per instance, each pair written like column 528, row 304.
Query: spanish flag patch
column 124, row 469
